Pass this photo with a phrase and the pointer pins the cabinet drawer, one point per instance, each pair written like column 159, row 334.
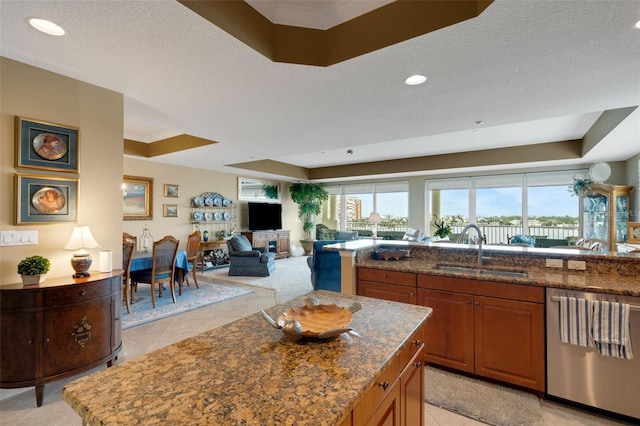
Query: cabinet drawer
column 387, row 277
column 76, row 293
column 525, row 293
column 19, row 300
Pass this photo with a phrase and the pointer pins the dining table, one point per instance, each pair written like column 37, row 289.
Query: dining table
column 144, row 260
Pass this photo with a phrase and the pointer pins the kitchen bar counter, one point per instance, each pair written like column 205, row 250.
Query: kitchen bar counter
column 246, row 372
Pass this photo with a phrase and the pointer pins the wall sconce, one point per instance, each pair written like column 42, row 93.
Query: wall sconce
column 80, row 240
column 374, row 219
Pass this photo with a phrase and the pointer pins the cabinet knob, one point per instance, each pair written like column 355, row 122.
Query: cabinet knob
column 418, row 364
column 384, row 385
column 416, row 342
column 83, row 293
column 47, row 340
column 29, row 342
column 477, row 303
column 385, row 276
column 468, row 302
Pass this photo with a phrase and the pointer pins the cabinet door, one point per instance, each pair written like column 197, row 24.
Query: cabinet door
column 18, row 346
column 395, row 293
column 449, row 330
column 283, row 243
column 412, row 391
column 77, row 335
column 509, row 338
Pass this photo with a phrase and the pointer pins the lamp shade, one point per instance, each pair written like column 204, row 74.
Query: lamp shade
column 374, row 218
column 81, row 238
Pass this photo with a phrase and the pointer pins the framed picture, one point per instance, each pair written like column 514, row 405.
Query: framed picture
column 171, row 190
column 137, row 198
column 170, row 210
column 45, row 199
column 46, row 146
column 633, row 232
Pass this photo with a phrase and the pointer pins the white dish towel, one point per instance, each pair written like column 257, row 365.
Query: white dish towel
column 575, row 321
column 611, row 329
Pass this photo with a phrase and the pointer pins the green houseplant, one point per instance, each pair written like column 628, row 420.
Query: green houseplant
column 270, row 191
column 309, row 198
column 33, row 269
column 443, row 230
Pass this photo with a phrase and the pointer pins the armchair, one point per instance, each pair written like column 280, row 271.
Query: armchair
column 325, row 267
column 249, row 261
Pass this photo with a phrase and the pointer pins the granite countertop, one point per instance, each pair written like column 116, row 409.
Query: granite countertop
column 557, row 278
column 247, row 373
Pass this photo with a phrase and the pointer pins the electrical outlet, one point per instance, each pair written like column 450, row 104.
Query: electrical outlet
column 555, row 263
column 577, row 265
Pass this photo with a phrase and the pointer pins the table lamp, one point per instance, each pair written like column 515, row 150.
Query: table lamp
column 374, row 219
column 80, row 240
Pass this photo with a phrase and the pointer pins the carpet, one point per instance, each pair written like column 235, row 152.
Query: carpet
column 483, row 401
column 192, row 298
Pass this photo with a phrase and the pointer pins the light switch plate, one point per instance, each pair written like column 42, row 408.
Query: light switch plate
column 555, row 263
column 577, row 265
column 18, row 238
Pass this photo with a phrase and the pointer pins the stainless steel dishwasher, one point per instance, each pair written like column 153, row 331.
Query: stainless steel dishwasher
column 582, row 375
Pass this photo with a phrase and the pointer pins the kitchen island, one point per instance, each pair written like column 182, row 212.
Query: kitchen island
column 246, row 372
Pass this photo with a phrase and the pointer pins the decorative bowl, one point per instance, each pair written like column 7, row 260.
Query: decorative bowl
column 314, row 320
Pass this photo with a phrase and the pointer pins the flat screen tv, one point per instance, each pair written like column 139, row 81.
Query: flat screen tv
column 265, row 216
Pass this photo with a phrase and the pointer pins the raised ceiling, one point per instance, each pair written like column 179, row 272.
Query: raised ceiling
column 538, row 74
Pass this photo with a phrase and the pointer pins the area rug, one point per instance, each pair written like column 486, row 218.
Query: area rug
column 192, row 298
column 486, row 402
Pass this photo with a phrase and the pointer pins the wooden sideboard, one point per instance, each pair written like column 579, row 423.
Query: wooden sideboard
column 274, row 241
column 59, row 328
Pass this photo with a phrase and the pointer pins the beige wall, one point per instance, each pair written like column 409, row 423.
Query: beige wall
column 193, row 182
column 41, row 95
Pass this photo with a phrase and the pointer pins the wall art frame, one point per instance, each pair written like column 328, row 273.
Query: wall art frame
column 46, row 146
column 45, row 199
column 633, row 232
column 170, row 210
column 137, row 198
column 171, row 190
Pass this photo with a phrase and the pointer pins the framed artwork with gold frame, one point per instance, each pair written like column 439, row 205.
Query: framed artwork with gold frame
column 171, row 190
column 137, row 198
column 46, row 146
column 170, row 210
column 633, row 232
column 45, row 199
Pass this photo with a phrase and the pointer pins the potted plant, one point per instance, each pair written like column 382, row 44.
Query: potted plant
column 309, row 197
column 33, row 269
column 270, row 191
column 443, row 230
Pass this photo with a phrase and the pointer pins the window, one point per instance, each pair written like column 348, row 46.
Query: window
column 537, row 204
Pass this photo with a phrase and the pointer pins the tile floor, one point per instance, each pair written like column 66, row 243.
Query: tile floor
column 18, row 407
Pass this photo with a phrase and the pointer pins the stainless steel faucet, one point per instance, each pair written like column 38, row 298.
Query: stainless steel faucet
column 461, row 240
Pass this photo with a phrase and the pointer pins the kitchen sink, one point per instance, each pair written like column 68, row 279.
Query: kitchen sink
column 482, row 271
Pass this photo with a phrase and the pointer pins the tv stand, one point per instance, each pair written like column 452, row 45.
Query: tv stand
column 274, row 241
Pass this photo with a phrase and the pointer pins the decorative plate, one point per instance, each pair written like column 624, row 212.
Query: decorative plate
column 208, row 201
column 217, row 201
column 49, row 146
column 226, row 202
column 314, row 320
column 198, row 216
column 218, row 216
column 227, row 216
column 197, row 201
column 208, row 216
column 48, row 200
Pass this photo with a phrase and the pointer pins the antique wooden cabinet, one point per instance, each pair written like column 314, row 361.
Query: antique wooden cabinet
column 59, row 328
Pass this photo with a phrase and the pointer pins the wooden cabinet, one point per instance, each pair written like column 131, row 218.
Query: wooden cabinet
column 212, row 254
column 387, row 285
column 604, row 211
column 398, row 396
column 494, row 330
column 274, row 241
column 58, row 329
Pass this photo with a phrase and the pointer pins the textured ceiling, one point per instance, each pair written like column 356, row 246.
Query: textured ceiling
column 533, row 72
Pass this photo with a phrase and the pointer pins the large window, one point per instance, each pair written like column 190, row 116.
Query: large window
column 349, row 207
column 537, row 204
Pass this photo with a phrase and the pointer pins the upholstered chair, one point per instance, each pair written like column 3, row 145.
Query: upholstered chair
column 249, row 261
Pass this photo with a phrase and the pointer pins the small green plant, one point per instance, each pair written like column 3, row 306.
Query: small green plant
column 309, row 198
column 270, row 191
column 34, row 265
column 443, row 229
column 223, row 234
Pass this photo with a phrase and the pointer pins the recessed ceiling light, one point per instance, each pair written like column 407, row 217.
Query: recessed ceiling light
column 415, row 80
column 638, row 24
column 46, row 27
column 477, row 123
column 349, row 152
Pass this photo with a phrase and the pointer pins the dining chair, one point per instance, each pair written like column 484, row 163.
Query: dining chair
column 127, row 256
column 193, row 246
column 131, row 238
column 162, row 267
